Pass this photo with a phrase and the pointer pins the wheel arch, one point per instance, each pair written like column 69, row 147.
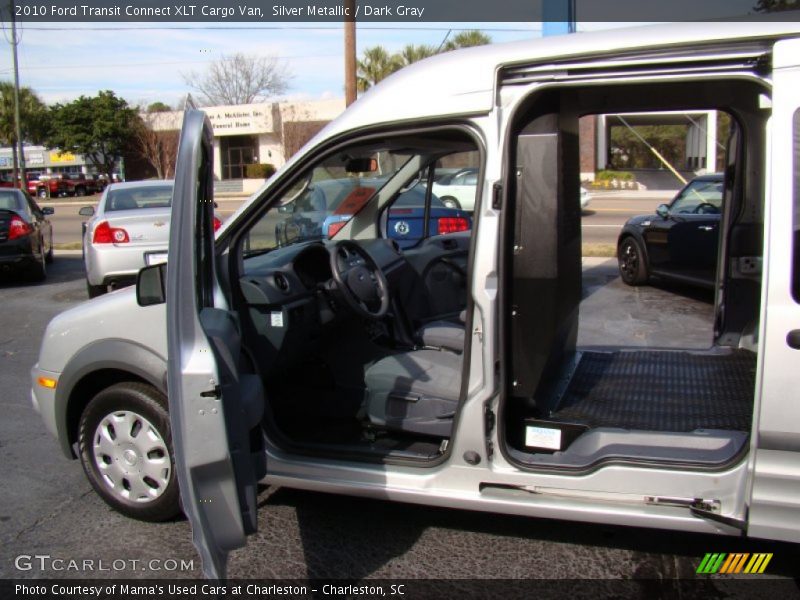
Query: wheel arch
column 632, row 233
column 95, row 368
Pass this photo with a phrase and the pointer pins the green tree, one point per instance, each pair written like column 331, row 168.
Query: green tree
column 98, row 127
column 467, row 39
column 157, row 107
column 376, row 65
column 33, row 116
column 411, row 53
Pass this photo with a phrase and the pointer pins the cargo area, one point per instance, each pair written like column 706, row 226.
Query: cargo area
column 587, row 384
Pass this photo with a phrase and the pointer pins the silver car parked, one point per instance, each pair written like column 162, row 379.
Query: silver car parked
column 129, row 230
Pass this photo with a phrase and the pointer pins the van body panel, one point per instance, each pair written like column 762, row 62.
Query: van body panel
column 775, row 451
column 756, row 491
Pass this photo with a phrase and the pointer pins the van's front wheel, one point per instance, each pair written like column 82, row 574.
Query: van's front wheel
column 125, row 446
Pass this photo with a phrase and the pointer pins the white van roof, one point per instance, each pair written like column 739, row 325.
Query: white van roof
column 462, row 81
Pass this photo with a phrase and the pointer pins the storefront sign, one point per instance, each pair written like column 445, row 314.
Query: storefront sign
column 244, row 119
column 62, row 157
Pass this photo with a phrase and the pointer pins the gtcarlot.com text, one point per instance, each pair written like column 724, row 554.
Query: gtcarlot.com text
column 46, row 562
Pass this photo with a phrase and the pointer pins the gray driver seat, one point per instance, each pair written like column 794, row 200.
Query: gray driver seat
column 415, row 392
column 444, row 334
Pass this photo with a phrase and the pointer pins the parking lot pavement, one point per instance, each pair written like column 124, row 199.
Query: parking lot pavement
column 49, row 509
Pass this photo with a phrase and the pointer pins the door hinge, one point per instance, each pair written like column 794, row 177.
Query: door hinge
column 497, row 196
column 490, row 421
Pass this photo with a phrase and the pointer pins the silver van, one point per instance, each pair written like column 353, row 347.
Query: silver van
column 448, row 373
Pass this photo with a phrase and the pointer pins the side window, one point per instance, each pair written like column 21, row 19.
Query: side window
column 452, row 200
column 796, row 199
column 33, row 206
column 699, row 197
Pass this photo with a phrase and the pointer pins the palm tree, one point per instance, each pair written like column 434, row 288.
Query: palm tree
column 376, row 65
column 466, row 39
column 411, row 53
column 32, row 114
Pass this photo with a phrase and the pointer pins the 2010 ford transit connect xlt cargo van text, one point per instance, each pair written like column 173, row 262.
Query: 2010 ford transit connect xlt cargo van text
column 448, row 372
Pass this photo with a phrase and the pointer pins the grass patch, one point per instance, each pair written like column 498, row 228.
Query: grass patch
column 68, row 246
column 609, row 250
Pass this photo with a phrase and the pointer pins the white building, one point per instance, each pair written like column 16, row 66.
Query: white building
column 267, row 133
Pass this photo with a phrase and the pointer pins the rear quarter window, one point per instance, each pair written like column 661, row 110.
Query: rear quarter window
column 11, row 201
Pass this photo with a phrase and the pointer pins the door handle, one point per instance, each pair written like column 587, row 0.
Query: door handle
column 705, row 227
column 793, row 339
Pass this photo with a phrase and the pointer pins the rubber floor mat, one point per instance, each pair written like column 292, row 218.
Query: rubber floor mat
column 661, row 391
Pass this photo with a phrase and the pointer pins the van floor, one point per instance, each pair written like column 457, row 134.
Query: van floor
column 651, row 390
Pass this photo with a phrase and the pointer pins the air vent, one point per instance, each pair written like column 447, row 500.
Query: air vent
column 281, row 282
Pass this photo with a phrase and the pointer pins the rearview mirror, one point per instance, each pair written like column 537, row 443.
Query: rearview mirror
column 361, row 165
column 86, row 211
column 662, row 211
column 48, row 210
column 150, row 284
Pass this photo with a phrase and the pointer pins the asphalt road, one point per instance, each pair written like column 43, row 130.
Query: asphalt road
column 602, row 221
column 48, row 507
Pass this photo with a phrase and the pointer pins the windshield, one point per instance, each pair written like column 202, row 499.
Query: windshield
column 324, row 198
column 133, row 198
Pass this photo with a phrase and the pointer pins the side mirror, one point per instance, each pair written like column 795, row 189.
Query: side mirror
column 86, row 211
column 48, row 210
column 150, row 285
column 662, row 211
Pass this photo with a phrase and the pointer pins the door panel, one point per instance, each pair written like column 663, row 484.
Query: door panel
column 441, row 264
column 215, row 407
column 774, row 510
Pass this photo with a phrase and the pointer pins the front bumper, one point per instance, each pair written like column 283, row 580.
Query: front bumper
column 44, row 402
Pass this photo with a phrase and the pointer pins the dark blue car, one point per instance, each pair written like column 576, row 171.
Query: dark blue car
column 323, row 210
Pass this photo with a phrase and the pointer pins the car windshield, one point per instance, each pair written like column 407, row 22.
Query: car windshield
column 133, row 198
column 328, row 195
column 699, row 197
column 10, row 200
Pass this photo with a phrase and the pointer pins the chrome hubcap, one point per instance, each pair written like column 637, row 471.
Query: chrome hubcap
column 131, row 456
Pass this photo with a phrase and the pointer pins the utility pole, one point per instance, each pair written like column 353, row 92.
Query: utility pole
column 350, row 52
column 558, row 17
column 18, row 129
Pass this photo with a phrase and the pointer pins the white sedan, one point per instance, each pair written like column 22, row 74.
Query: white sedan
column 458, row 190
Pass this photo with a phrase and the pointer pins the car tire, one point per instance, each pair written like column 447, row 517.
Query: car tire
column 95, row 290
column 39, row 270
column 41, row 193
column 450, row 202
column 80, row 191
column 632, row 262
column 48, row 258
column 125, row 446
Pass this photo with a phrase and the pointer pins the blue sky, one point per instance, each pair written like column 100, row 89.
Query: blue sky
column 144, row 62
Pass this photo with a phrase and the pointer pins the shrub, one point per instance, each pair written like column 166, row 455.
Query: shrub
column 259, row 171
column 611, row 175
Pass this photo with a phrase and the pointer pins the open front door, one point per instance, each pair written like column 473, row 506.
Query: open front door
column 775, row 500
column 215, row 408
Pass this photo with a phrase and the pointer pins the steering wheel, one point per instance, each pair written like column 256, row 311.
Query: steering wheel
column 360, row 280
column 703, row 209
